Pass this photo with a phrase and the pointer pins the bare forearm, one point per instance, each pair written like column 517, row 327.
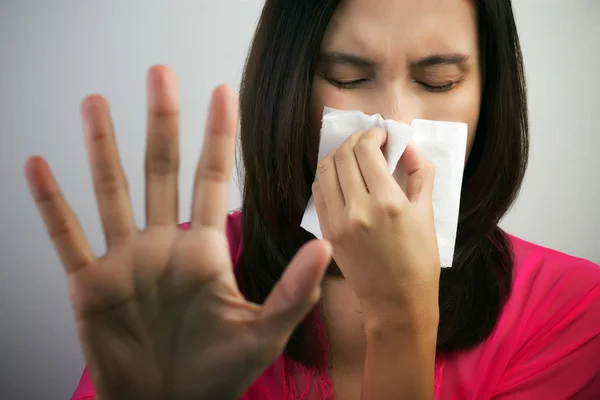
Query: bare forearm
column 400, row 362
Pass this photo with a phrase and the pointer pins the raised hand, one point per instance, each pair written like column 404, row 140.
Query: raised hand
column 160, row 315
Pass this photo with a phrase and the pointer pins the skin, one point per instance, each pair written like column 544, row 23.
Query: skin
column 161, row 307
column 391, row 39
column 158, row 286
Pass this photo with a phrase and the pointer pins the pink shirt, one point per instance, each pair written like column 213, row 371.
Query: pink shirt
column 546, row 344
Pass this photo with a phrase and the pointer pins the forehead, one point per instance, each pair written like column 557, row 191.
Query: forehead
column 407, row 28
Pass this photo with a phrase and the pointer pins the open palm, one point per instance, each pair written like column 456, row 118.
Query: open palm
column 160, row 315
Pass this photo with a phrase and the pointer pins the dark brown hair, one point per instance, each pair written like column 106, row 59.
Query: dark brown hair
column 279, row 161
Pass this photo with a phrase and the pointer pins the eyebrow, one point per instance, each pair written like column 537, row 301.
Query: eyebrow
column 441, row 59
column 336, row 57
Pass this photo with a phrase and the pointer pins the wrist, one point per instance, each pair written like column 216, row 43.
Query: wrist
column 401, row 316
column 405, row 310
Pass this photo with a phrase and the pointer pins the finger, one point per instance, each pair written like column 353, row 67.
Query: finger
column 371, row 160
column 213, row 174
column 330, row 186
column 420, row 174
column 296, row 293
column 321, row 208
column 162, row 148
column 61, row 223
column 110, row 184
column 351, row 180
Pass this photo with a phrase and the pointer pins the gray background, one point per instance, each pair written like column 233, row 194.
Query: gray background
column 53, row 53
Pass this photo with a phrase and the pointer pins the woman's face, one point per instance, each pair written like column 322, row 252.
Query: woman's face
column 403, row 59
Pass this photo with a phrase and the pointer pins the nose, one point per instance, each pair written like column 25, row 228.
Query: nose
column 399, row 104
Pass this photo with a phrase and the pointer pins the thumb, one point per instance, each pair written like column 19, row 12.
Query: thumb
column 296, row 293
column 420, row 172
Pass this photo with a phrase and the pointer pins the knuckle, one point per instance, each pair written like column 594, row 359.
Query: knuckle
column 78, row 264
column 99, row 135
column 110, row 184
column 60, row 228
column 162, row 163
column 324, row 165
column 164, row 111
column 341, row 154
column 358, row 221
column 48, row 198
column 316, row 187
column 390, row 207
column 363, row 146
column 212, row 173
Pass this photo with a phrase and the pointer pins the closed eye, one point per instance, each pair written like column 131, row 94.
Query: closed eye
column 438, row 88
column 352, row 84
column 347, row 84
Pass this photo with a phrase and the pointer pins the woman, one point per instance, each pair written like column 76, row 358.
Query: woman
column 160, row 316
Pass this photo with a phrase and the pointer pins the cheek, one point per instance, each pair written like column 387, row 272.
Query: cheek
column 320, row 96
column 324, row 94
column 461, row 105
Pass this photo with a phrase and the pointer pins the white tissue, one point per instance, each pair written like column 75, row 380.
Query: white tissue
column 442, row 143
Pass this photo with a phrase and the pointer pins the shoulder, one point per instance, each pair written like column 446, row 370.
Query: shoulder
column 547, row 338
column 544, row 268
column 549, row 288
column 550, row 326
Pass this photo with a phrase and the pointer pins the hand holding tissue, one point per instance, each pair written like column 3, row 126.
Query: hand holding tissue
column 442, row 143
